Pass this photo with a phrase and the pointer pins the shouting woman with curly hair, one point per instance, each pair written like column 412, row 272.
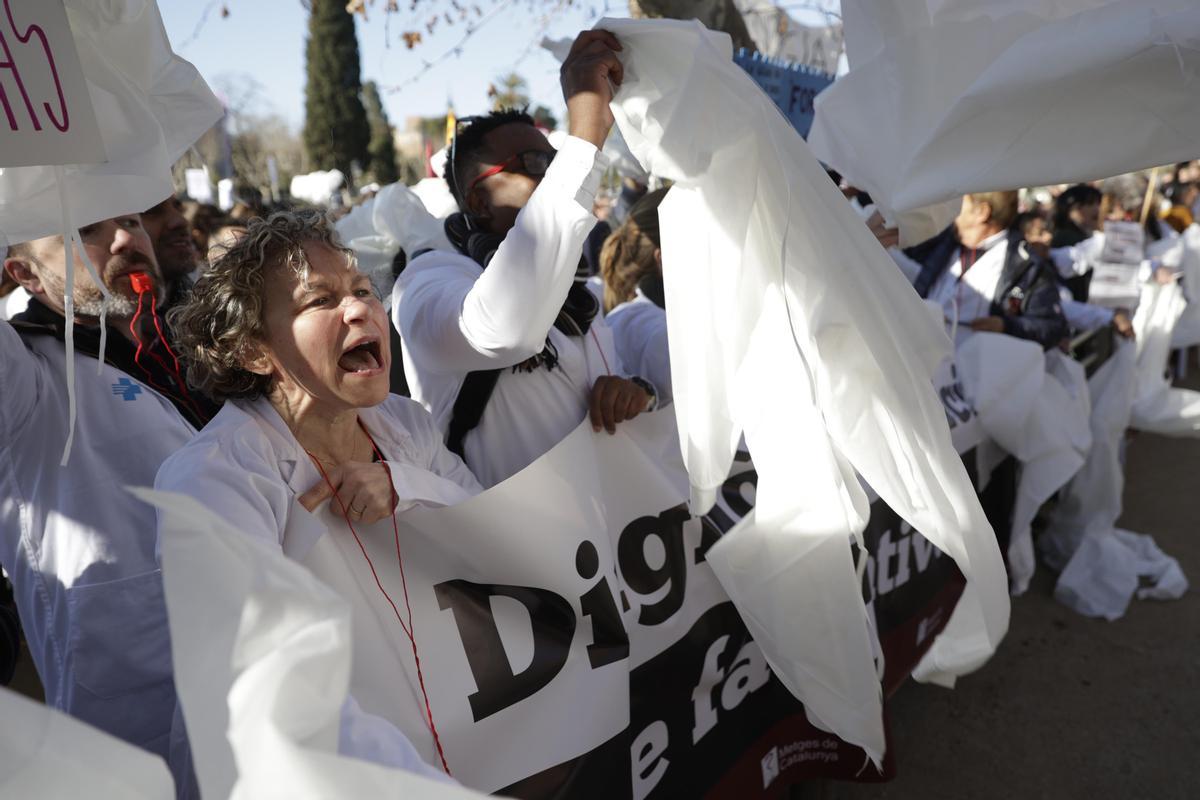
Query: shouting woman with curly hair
column 290, row 334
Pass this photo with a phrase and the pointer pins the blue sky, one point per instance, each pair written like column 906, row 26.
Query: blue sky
column 264, row 39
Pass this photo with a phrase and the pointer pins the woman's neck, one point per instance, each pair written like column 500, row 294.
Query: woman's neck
column 333, row 436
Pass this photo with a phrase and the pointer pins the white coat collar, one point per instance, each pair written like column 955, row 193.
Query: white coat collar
column 296, row 467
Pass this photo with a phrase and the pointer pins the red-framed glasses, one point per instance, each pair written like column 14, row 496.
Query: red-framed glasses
column 533, row 163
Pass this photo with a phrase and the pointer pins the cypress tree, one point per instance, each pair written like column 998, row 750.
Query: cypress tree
column 381, row 150
column 335, row 124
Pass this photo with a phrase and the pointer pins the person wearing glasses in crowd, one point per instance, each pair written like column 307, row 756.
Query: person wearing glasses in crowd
column 499, row 340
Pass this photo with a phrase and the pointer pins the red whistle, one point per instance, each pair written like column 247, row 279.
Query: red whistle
column 141, row 282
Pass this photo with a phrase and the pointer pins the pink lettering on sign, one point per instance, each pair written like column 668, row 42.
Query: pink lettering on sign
column 10, row 64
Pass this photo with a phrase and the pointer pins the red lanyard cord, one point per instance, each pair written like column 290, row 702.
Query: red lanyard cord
column 408, row 629
column 137, row 355
column 604, row 358
column 174, row 359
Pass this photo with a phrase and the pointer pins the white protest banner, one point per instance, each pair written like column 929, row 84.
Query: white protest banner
column 572, row 635
column 48, row 116
column 580, row 638
column 521, row 610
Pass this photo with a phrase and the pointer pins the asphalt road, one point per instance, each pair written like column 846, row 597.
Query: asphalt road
column 1073, row 707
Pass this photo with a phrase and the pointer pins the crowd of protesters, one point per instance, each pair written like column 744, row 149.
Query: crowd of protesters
column 241, row 343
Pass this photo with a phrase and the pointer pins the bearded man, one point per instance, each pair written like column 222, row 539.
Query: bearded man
column 79, row 549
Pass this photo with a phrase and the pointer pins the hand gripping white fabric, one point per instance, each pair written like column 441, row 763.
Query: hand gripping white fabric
column 787, row 320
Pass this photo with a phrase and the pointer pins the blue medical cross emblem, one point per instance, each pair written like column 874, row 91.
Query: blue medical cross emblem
column 126, row 389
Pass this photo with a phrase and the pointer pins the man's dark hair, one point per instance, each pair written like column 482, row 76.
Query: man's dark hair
column 1077, row 196
column 468, row 144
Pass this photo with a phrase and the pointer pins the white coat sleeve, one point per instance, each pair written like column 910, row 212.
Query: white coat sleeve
column 238, row 483
column 1070, row 261
column 453, row 321
column 20, row 384
column 1085, row 316
column 371, row 738
column 640, row 333
column 436, row 457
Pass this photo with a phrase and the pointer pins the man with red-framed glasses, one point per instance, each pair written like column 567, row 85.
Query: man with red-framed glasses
column 500, row 342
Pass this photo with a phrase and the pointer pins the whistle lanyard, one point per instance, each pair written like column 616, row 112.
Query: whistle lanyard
column 173, row 368
column 408, row 629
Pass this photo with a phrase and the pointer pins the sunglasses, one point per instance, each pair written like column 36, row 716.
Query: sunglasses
column 533, row 163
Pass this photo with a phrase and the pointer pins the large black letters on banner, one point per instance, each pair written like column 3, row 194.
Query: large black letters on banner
column 553, row 622
column 644, row 579
column 610, row 640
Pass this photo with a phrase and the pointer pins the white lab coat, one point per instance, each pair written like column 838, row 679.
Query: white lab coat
column 455, row 318
column 248, row 467
column 80, row 550
column 639, row 329
column 966, row 297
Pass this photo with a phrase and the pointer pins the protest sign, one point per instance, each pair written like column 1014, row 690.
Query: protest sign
column 573, row 603
column 199, row 187
column 155, row 107
column 48, row 116
column 1115, row 275
column 791, row 86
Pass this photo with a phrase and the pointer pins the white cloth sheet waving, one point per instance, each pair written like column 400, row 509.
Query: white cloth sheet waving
column 788, row 321
column 395, row 219
column 1157, row 407
column 266, row 687
column 45, row 753
column 945, row 98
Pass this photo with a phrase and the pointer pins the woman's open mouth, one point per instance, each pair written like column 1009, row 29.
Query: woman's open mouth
column 362, row 357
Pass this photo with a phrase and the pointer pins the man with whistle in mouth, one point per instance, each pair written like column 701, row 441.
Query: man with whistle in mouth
column 80, row 551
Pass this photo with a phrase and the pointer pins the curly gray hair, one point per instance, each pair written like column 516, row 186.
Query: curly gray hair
column 223, row 316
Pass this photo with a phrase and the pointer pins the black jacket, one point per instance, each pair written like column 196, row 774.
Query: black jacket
column 1026, row 296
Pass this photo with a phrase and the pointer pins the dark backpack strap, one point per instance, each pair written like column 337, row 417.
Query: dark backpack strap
column 472, row 399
